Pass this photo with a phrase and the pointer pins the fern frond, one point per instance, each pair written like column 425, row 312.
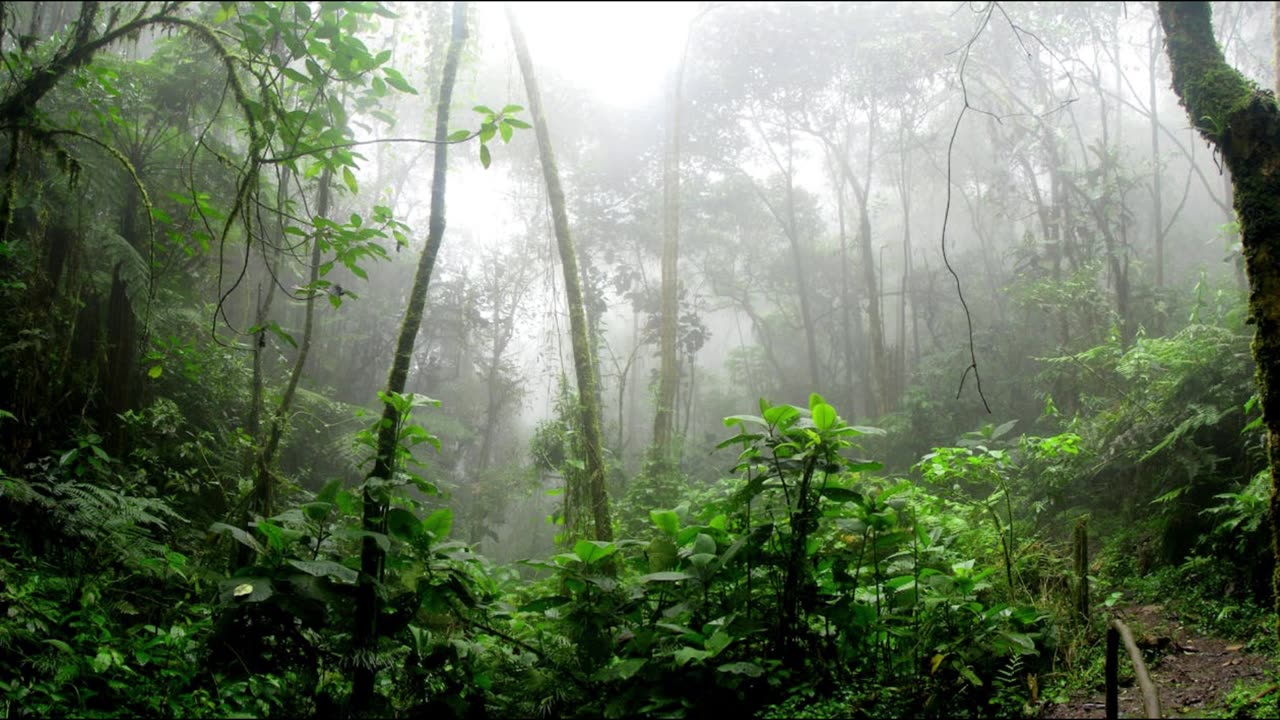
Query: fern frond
column 103, row 244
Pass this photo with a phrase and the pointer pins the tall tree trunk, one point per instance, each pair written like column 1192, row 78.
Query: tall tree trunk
column 802, row 282
column 1244, row 124
column 376, row 500
column 846, row 297
column 668, row 376
column 872, row 287
column 583, row 362
column 122, row 334
column 1157, row 168
column 904, row 193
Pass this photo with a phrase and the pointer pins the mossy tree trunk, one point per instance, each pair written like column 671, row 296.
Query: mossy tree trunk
column 376, row 499
column 583, row 362
column 1243, row 123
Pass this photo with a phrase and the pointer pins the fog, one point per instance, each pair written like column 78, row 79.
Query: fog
column 1056, row 138
column 826, row 153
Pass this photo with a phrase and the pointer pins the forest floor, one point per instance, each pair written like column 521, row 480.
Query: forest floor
column 1195, row 675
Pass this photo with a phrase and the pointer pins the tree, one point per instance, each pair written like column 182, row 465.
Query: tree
column 1243, row 123
column 376, row 500
column 583, row 360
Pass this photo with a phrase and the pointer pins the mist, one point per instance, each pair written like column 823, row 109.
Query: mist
column 834, row 288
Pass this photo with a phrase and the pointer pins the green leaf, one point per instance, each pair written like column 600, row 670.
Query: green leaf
column 740, row 419
column 484, row 110
column 704, row 544
column 824, row 416
column 275, row 537
column 1023, row 643
column 397, row 81
column 485, row 158
column 240, row 536
column 869, row 466
column 403, row 524
column 326, row 568
column 60, row 645
column 624, row 669
column 155, row 371
column 294, row 75
column 513, row 122
column 438, row 523
column 350, row 179
column 668, row 521
column 685, row 655
column 508, row 109
column 593, row 551
column 505, row 131
column 840, row 494
column 246, row 589
column 459, row 135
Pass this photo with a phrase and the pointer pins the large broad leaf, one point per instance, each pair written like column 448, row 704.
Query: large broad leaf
column 245, row 589
column 840, row 494
column 824, row 416
column 241, row 536
column 438, row 523
column 685, row 655
column 624, row 669
column 593, row 551
column 403, row 524
column 382, row 540
column 705, row 544
column 1023, row 644
column 668, row 521
column 326, row 568
column 781, row 416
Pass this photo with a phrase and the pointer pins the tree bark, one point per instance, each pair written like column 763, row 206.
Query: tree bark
column 1157, row 168
column 376, row 500
column 1244, row 124
column 583, row 362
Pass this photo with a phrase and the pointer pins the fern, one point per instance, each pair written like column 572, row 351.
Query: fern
column 1201, row 416
column 106, row 248
column 121, row 523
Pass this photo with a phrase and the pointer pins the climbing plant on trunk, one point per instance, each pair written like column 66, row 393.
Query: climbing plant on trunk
column 376, row 495
column 583, row 362
column 1242, row 122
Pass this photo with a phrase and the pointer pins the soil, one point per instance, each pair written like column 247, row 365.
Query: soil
column 1192, row 674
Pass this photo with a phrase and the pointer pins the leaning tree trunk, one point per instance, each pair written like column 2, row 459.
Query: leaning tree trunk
column 583, row 363
column 376, row 500
column 1243, row 122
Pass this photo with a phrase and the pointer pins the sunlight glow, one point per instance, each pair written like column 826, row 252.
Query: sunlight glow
column 619, row 51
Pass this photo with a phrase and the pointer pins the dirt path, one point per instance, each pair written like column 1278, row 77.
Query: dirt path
column 1193, row 674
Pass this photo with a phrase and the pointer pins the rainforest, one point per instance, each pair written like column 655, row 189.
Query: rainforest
column 617, row 359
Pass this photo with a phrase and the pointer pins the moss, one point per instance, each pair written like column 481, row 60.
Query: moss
column 1244, row 124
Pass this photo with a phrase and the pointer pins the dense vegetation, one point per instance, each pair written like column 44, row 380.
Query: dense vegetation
column 653, row 425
